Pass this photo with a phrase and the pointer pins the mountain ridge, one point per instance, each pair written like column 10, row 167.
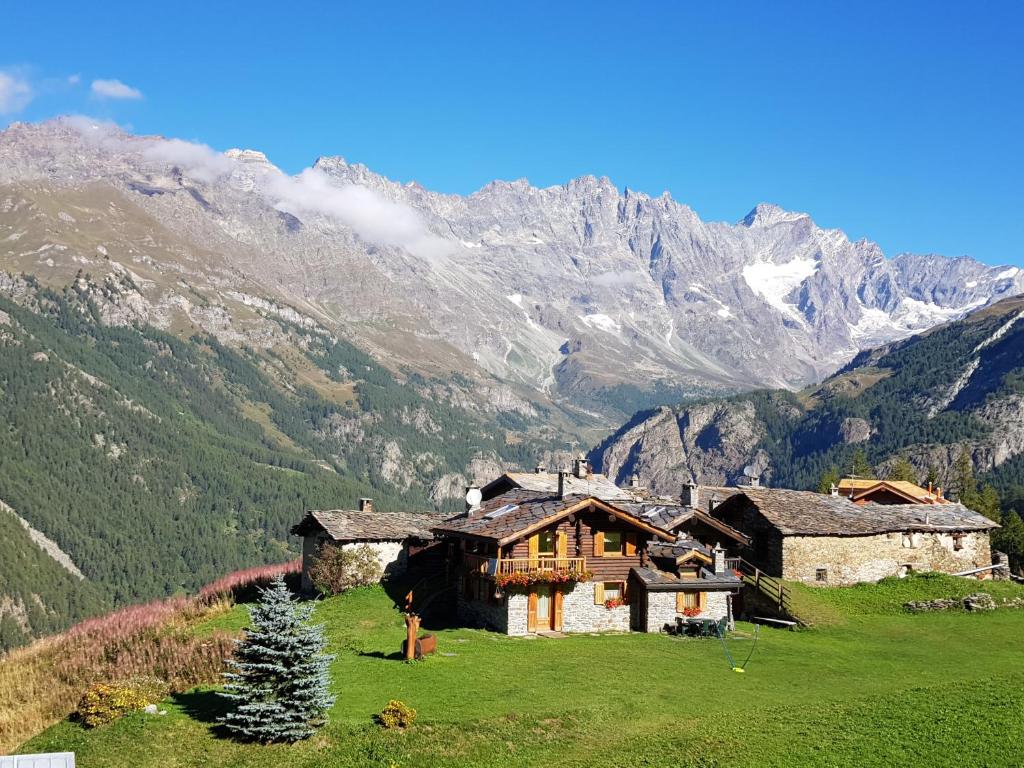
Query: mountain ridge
column 577, row 292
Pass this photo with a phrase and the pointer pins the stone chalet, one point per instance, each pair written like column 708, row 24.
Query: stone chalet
column 394, row 536
column 528, row 561
column 831, row 540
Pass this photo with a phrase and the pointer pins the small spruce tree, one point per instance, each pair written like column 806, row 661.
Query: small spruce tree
column 279, row 684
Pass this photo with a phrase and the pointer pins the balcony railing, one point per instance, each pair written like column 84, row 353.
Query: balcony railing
column 506, row 566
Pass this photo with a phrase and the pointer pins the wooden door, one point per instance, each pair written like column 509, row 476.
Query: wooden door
column 544, row 609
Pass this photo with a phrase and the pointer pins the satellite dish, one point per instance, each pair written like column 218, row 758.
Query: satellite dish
column 474, row 497
column 750, row 471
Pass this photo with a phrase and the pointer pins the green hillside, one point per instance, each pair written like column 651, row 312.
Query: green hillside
column 158, row 464
column 877, row 688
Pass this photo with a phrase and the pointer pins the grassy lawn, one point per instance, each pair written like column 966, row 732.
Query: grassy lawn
column 877, row 689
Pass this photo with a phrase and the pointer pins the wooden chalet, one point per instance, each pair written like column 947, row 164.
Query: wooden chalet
column 535, row 561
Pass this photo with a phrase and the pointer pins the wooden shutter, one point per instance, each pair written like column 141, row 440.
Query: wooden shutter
column 680, row 601
column 630, row 544
column 561, row 544
column 599, row 593
column 531, row 612
column 558, row 610
column 534, row 546
column 703, row 601
column 599, row 546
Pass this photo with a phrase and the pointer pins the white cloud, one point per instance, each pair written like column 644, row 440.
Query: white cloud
column 74, row 79
column 311, row 193
column 197, row 160
column 368, row 213
column 15, row 93
column 114, row 89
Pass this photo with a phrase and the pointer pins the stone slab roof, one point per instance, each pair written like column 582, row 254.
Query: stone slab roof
column 678, row 548
column 350, row 525
column 661, row 581
column 670, row 517
column 595, row 484
column 805, row 513
column 518, row 512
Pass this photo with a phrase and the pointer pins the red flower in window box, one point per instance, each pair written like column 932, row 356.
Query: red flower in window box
column 691, row 612
column 614, row 602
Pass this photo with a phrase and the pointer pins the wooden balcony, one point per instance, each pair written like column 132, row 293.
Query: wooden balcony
column 527, row 565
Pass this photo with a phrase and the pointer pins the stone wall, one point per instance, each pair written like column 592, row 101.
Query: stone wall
column 392, row 555
column 490, row 615
column 851, row 559
column 579, row 614
column 661, row 609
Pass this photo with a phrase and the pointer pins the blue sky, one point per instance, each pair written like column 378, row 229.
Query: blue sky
column 900, row 122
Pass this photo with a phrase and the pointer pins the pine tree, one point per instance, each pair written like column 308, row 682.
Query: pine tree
column 280, row 682
column 829, row 478
column 933, row 476
column 965, row 483
column 861, row 466
column 903, row 470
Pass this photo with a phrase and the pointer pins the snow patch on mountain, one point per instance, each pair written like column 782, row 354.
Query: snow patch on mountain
column 774, row 282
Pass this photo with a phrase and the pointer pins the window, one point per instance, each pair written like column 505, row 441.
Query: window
column 908, row 541
column 546, row 543
column 610, row 590
column 612, row 543
column 958, row 542
column 821, row 574
column 691, row 602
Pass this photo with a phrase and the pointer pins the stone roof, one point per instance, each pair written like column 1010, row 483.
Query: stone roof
column 595, row 484
column 670, row 517
column 808, row 513
column 516, row 513
column 350, row 525
column 662, row 581
column 678, row 548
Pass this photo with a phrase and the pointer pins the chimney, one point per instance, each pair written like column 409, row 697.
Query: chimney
column 833, row 489
column 938, row 493
column 634, row 480
column 563, row 489
column 365, row 505
column 580, row 467
column 690, row 496
column 719, row 558
column 713, row 502
column 755, row 481
column 540, row 469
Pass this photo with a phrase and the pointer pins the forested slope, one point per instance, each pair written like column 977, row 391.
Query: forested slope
column 157, row 464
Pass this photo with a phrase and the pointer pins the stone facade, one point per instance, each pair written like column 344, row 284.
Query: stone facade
column 392, row 555
column 844, row 560
column 580, row 614
column 661, row 609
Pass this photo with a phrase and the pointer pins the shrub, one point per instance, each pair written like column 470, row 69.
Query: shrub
column 396, row 715
column 104, row 703
column 338, row 569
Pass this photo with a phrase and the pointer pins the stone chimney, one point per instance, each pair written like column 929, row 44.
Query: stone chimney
column 754, row 480
column 581, row 467
column 634, row 480
column 365, row 505
column 563, row 485
column 690, row 495
column 833, row 489
column 713, row 502
column 541, row 468
column 719, row 558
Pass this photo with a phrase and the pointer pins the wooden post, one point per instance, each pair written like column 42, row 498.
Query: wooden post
column 412, row 628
